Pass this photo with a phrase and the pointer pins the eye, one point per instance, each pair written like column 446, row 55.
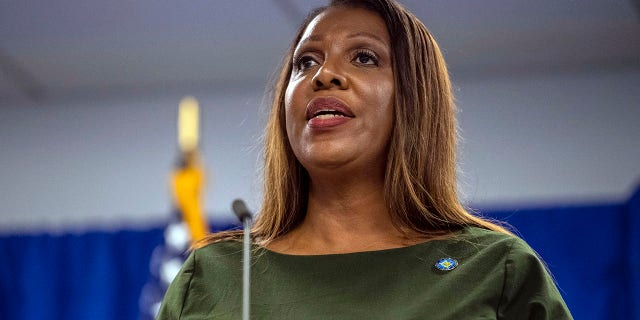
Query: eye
column 304, row 62
column 365, row 57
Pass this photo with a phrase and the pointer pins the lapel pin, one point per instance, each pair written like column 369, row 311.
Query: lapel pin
column 446, row 264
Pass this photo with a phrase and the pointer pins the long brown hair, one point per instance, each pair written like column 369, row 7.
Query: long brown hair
column 420, row 177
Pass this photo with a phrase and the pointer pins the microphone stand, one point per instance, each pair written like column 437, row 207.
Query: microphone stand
column 243, row 214
column 246, row 268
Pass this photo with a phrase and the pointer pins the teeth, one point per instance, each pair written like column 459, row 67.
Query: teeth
column 328, row 115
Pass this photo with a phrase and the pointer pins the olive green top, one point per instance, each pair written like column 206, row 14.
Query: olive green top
column 496, row 277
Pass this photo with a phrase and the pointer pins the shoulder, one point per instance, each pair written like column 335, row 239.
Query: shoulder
column 484, row 236
column 217, row 257
column 207, row 269
column 503, row 253
column 513, row 254
column 527, row 285
column 489, row 246
column 218, row 249
column 508, row 267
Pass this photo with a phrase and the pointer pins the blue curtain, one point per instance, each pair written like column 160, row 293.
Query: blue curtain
column 96, row 275
column 593, row 252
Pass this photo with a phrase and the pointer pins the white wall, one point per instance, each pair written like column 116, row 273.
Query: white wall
column 105, row 162
column 550, row 139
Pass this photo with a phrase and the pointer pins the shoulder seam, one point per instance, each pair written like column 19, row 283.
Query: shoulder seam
column 506, row 276
column 186, row 292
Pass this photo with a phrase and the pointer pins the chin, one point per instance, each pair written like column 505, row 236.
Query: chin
column 324, row 162
column 329, row 157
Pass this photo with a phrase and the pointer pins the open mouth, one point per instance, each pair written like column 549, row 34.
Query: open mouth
column 327, row 108
column 328, row 114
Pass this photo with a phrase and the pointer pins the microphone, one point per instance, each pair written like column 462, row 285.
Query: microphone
column 240, row 209
column 243, row 214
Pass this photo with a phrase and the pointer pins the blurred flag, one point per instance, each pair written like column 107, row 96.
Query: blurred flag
column 187, row 224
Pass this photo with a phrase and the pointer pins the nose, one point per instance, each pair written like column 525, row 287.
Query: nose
column 329, row 76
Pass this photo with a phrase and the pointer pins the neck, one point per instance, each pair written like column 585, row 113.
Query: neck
column 344, row 215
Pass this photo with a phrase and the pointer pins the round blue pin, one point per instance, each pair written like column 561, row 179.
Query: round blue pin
column 446, row 264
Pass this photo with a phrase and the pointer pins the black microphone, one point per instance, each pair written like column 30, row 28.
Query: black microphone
column 240, row 209
column 243, row 214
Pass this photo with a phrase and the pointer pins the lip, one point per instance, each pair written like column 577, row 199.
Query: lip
column 324, row 103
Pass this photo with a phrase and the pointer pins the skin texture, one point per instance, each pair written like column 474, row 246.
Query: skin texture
column 344, row 54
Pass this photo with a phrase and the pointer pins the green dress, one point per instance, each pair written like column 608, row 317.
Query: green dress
column 492, row 276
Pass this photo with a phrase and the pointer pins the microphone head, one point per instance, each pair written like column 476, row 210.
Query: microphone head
column 240, row 209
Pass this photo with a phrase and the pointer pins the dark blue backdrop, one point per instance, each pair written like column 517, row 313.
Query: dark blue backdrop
column 592, row 250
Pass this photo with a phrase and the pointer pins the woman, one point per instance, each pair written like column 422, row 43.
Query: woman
column 360, row 217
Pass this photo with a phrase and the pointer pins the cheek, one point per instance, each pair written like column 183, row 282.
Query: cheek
column 290, row 110
column 384, row 93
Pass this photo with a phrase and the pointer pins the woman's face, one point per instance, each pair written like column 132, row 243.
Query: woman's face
column 339, row 102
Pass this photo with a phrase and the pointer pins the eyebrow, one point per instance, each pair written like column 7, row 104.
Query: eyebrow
column 365, row 34
column 353, row 35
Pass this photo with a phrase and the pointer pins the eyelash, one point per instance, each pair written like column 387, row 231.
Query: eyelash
column 298, row 61
column 365, row 53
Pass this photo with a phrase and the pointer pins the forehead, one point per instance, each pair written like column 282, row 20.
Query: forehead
column 344, row 20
